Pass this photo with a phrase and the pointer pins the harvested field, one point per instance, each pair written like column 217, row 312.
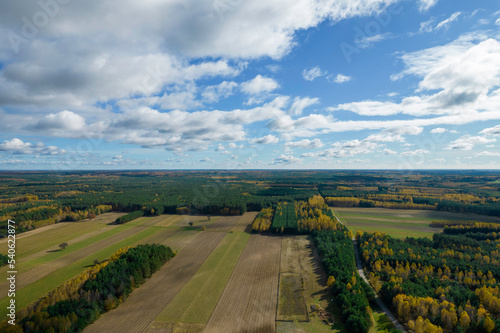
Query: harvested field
column 198, row 298
column 231, row 223
column 181, row 239
column 245, row 222
column 248, row 303
column 176, row 221
column 146, row 302
column 161, row 236
column 291, row 302
column 159, row 327
column 107, row 218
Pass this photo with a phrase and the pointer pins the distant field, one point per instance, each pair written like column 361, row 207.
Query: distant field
column 400, row 223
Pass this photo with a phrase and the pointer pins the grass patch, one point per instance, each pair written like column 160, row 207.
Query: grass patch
column 180, row 239
column 399, row 233
column 394, row 222
column 40, row 288
column 291, row 301
column 196, row 301
column 381, row 323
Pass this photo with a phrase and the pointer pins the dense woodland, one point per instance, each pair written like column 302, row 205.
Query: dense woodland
column 80, row 301
column 129, row 217
column 299, row 217
column 351, row 293
column 447, row 284
column 35, row 199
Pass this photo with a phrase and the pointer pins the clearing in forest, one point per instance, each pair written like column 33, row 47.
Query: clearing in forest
column 398, row 223
column 299, row 257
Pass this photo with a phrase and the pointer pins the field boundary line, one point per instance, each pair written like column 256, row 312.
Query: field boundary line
column 230, row 277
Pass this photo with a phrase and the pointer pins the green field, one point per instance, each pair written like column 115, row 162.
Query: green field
column 198, row 298
column 400, row 223
column 41, row 249
column 31, row 244
column 291, row 300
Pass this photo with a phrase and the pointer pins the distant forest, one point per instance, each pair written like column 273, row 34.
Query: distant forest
column 35, row 199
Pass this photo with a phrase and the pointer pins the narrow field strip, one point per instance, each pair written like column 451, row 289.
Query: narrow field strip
column 80, row 251
column 179, row 240
column 231, row 223
column 299, row 256
column 170, row 221
column 291, row 302
column 41, row 287
column 198, row 298
column 393, row 232
column 101, row 219
column 146, row 302
column 248, row 303
column 244, row 222
column 159, row 237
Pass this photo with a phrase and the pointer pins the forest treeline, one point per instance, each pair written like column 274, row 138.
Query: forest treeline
column 80, row 301
column 37, row 199
column 129, row 217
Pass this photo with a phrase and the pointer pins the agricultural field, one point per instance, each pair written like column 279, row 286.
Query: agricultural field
column 42, row 265
column 226, row 276
column 300, row 260
column 220, row 269
column 401, row 223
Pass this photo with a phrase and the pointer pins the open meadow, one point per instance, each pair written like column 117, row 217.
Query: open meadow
column 401, row 223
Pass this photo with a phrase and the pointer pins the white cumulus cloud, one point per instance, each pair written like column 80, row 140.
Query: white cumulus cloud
column 311, row 74
column 258, row 85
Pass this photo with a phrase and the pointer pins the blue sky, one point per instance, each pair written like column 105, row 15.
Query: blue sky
column 237, row 84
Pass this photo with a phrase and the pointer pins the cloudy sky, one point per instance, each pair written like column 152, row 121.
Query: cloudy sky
column 239, row 84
